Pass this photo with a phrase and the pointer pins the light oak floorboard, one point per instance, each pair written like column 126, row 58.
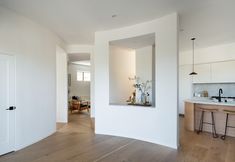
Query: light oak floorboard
column 76, row 142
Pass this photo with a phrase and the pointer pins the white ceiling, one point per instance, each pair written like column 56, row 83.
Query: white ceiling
column 135, row 42
column 84, row 62
column 210, row 21
column 78, row 57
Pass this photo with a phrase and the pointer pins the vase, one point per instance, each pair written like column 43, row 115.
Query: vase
column 143, row 98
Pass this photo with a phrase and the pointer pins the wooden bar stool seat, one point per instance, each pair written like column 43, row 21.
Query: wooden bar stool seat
column 208, row 110
column 232, row 112
column 227, row 112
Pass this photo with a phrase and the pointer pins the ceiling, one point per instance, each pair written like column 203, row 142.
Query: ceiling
column 135, row 42
column 78, row 57
column 83, row 63
column 75, row 21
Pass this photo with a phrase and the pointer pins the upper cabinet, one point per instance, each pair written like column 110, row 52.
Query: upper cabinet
column 204, row 73
column 222, row 72
column 219, row 72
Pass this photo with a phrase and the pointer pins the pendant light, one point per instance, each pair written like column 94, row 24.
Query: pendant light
column 193, row 72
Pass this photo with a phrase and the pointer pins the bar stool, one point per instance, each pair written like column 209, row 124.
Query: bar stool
column 228, row 112
column 212, row 111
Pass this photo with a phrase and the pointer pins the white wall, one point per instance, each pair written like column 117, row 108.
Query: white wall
column 35, row 50
column 210, row 54
column 61, row 86
column 185, row 85
column 148, row 124
column 122, row 66
column 144, row 66
column 78, row 88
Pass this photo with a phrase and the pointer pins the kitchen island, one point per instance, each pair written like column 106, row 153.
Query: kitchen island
column 193, row 114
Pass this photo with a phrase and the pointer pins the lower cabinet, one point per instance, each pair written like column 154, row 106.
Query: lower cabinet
column 192, row 118
column 189, row 116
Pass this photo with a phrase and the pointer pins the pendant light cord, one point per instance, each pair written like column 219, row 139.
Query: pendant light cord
column 193, row 51
column 193, row 72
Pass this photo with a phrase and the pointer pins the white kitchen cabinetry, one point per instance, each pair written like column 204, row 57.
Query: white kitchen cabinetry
column 223, row 72
column 217, row 72
column 204, row 73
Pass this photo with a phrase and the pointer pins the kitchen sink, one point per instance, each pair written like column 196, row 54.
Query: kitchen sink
column 223, row 99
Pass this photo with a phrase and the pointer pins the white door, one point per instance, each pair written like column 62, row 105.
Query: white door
column 7, row 101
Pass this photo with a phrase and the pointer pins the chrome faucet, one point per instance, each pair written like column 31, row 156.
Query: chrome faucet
column 220, row 92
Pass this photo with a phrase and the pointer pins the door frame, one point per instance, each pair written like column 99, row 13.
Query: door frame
column 61, row 86
column 75, row 49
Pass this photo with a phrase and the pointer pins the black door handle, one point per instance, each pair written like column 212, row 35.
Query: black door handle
column 11, row 108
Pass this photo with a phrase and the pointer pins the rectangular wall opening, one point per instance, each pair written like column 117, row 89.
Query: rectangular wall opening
column 132, row 71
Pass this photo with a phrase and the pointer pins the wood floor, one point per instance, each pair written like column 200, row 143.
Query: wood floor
column 76, row 142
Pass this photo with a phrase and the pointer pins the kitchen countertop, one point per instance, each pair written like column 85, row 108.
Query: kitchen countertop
column 206, row 100
column 192, row 115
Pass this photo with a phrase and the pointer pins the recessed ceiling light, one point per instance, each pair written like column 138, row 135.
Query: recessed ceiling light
column 113, row 16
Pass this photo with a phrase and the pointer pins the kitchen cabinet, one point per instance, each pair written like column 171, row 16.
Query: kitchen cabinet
column 222, row 72
column 217, row 72
column 204, row 73
column 193, row 114
column 189, row 116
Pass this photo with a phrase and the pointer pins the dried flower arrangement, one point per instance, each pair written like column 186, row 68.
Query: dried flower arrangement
column 143, row 87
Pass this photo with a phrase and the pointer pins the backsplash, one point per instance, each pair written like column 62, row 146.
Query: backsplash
column 213, row 89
